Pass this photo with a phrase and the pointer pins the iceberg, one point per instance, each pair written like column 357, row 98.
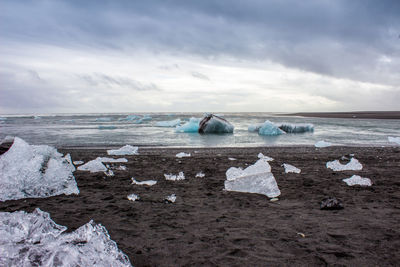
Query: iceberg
column 254, row 127
column 256, row 178
column 322, row 144
column 182, row 155
column 35, row 171
column 3, row 118
column 125, row 150
column 34, row 239
column 192, row 126
column 171, row 177
column 148, row 182
column 215, row 124
column 353, row 165
column 171, row 198
column 270, row 129
column 107, row 127
column 296, row 128
column 172, row 123
column 133, row 197
column 129, row 118
column 357, row 180
column 394, row 139
column 290, row 168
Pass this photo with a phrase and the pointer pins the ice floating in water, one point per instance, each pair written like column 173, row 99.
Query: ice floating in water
column 215, row 124
column 394, row 139
column 103, row 119
column 172, row 123
column 3, row 118
column 34, row 239
column 129, row 118
column 107, row 127
column 78, row 162
column 148, row 182
column 353, row 165
column 147, row 118
column 357, row 180
column 200, row 175
column 93, row 166
column 182, row 155
column 290, row 168
column 322, row 144
column 133, row 197
column 296, row 128
column 37, row 117
column 125, row 150
column 256, row 178
column 35, row 172
column 192, row 126
column 171, row 198
column 270, row 129
column 171, row 177
column 266, row 158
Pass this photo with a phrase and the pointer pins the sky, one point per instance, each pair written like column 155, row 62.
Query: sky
column 199, row 56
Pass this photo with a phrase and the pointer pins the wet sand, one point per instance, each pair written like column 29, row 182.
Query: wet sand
column 394, row 115
column 208, row 226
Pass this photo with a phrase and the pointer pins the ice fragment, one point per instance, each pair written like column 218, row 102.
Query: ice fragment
column 322, row 144
column 357, row 180
column 200, row 175
column 353, row 165
column 182, row 154
column 172, row 123
column 290, row 168
column 125, row 150
column 133, row 197
column 148, row 182
column 171, row 198
column 171, row 177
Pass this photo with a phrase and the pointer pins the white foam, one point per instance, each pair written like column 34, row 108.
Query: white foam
column 182, row 155
column 357, row 180
column 125, row 150
column 172, row 177
column 353, row 165
column 148, row 182
column 290, row 168
column 322, row 144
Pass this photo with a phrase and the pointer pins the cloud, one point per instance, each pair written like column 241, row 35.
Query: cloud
column 199, row 75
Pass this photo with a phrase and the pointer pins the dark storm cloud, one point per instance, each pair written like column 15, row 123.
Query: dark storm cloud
column 336, row 38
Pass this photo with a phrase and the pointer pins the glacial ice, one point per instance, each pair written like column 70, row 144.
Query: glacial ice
column 111, row 160
column 172, row 123
column 35, row 171
column 296, row 128
column 125, row 150
column 266, row 158
column 129, row 118
column 290, row 168
column 357, row 180
column 133, row 197
column 148, row 182
column 93, row 166
column 270, row 129
column 394, row 139
column 353, row 165
column 7, row 139
column 182, row 155
column 322, row 143
column 78, row 162
column 200, row 175
column 103, row 119
column 215, row 124
column 172, row 177
column 3, row 118
column 256, row 178
column 192, row 126
column 171, row 198
column 34, row 239
column 107, row 127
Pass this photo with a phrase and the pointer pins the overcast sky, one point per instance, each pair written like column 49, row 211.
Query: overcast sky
column 203, row 56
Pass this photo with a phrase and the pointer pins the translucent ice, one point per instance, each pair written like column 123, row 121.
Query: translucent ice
column 394, row 139
column 133, row 197
column 103, row 119
column 93, row 166
column 78, row 162
column 182, row 155
column 256, row 178
column 232, row 159
column 171, row 198
column 357, row 180
column 353, row 165
column 254, row 127
column 192, row 126
column 171, row 177
column 322, row 144
column 125, row 150
column 290, row 168
column 107, row 127
column 172, row 123
column 200, row 175
column 35, row 172
column 7, row 139
column 148, row 182
column 215, row 124
column 111, row 160
column 266, row 158
column 270, row 129
column 129, row 118
column 33, row 239
column 296, row 128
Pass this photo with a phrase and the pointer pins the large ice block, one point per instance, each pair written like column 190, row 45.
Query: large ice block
column 192, row 126
column 215, row 124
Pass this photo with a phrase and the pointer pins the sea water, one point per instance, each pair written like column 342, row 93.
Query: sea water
column 116, row 130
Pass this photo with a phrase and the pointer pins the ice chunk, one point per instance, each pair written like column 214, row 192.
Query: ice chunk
column 266, row 158
column 171, row 177
column 357, row 180
column 172, row 123
column 215, row 124
column 200, row 175
column 182, row 155
column 103, row 119
column 255, row 127
column 353, row 165
column 121, row 168
column 93, row 166
column 129, row 118
column 147, row 118
column 107, row 127
column 33, row 239
column 192, row 126
column 133, row 197
column 394, row 139
column 171, row 198
column 232, row 159
column 37, row 117
column 111, row 160
column 270, row 129
column 296, row 128
column 35, row 172
column 322, row 143
column 148, row 182
column 78, row 162
column 290, row 168
column 261, row 166
column 125, row 150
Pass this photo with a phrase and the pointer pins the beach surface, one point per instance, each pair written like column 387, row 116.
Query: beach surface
column 393, row 115
column 212, row 227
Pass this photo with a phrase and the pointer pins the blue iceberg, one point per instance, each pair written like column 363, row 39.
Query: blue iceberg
column 129, row 118
column 192, row 126
column 107, row 127
column 172, row 123
column 270, row 129
column 296, row 128
column 215, row 124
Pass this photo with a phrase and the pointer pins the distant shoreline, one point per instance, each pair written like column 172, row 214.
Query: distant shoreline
column 394, row 115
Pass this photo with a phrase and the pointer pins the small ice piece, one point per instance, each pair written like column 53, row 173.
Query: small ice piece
column 256, row 178
column 394, row 139
column 111, row 160
column 255, row 127
column 133, row 197
column 107, row 127
column 148, row 182
column 232, row 159
column 172, row 123
column 200, row 175
column 93, row 166
column 353, row 165
column 171, row 198
column 129, row 118
column 125, row 150
column 78, row 162
column 103, row 119
column 214, row 124
column 182, row 154
column 109, row 173
column 290, row 168
column 357, row 180
column 171, row 177
column 322, row 143
column 147, row 118
column 34, row 239
column 35, row 171
column 121, row 168
column 296, row 128
column 192, row 126
column 270, row 129
column 37, row 117
column 262, row 156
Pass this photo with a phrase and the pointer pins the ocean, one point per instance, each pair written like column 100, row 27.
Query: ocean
column 106, row 129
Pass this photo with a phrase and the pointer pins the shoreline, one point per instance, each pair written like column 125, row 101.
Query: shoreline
column 390, row 115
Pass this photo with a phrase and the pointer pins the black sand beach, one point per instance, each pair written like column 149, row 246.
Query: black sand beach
column 211, row 227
